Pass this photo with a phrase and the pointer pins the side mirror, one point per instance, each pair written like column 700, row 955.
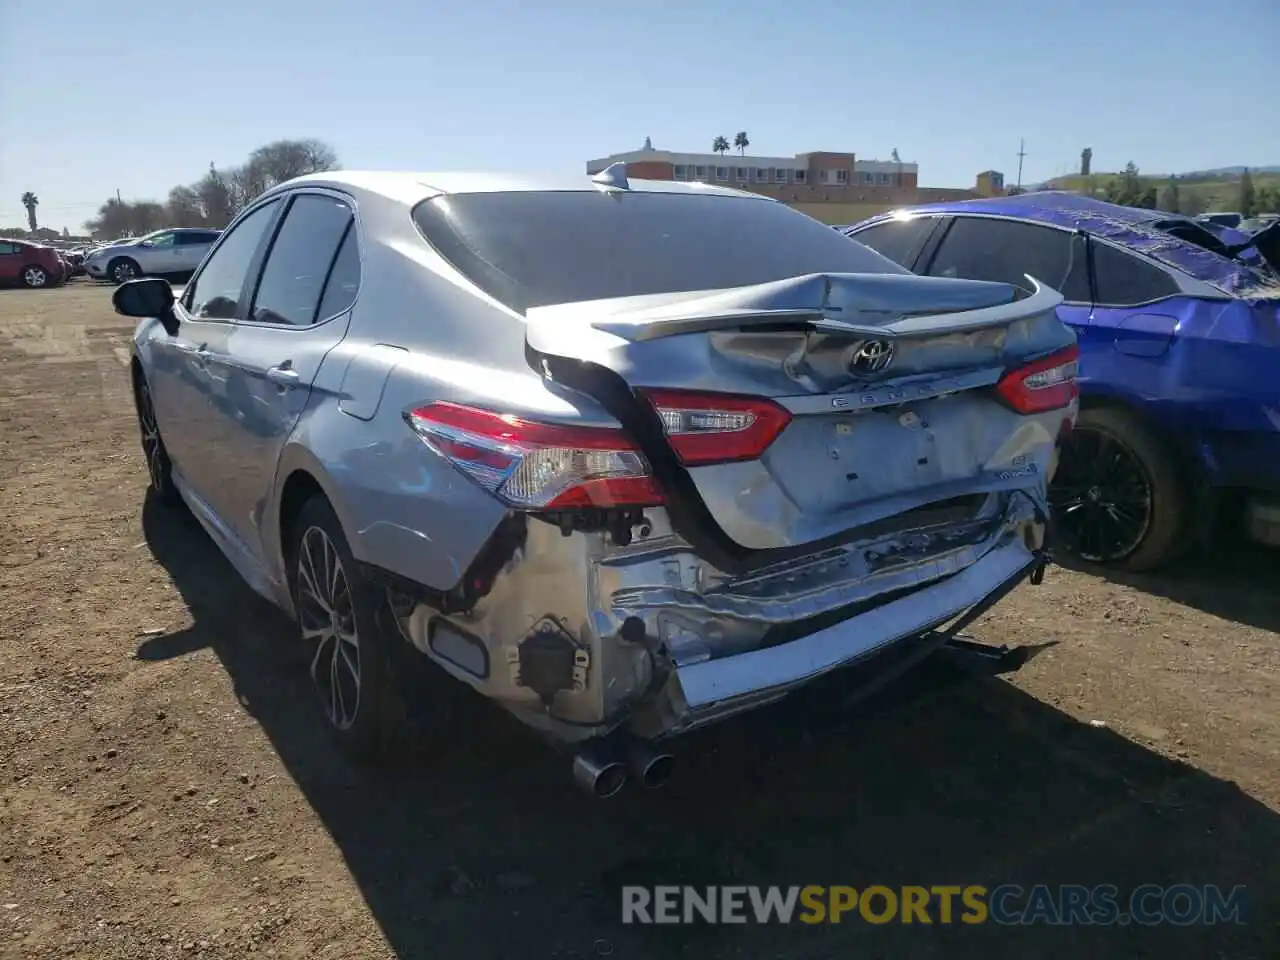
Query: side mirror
column 148, row 297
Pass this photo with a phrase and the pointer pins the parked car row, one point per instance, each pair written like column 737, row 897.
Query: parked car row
column 33, row 265
column 1179, row 331
column 163, row 253
column 38, row 263
column 626, row 457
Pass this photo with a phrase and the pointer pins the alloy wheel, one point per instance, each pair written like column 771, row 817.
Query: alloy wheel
column 34, row 277
column 152, row 448
column 123, row 272
column 1101, row 496
column 327, row 618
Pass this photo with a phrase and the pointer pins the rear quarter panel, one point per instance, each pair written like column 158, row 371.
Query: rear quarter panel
column 416, row 336
column 1214, row 389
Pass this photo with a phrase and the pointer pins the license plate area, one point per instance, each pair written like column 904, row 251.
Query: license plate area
column 831, row 461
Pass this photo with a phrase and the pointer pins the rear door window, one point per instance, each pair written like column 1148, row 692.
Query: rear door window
column 300, row 259
column 1005, row 251
column 344, row 279
column 899, row 240
column 1124, row 280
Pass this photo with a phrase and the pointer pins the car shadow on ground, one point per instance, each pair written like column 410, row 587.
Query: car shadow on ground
column 1233, row 580
column 483, row 847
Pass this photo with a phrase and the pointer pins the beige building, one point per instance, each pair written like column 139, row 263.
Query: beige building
column 832, row 187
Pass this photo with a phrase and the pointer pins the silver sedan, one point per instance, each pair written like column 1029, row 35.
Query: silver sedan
column 625, row 457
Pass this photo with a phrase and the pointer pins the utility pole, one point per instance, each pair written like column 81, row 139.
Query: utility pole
column 1022, row 152
column 118, row 200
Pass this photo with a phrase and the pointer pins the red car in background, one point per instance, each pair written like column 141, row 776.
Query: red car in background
column 30, row 264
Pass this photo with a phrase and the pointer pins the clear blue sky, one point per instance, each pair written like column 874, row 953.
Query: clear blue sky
column 141, row 95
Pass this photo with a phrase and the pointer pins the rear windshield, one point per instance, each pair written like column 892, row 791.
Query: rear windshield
column 532, row 249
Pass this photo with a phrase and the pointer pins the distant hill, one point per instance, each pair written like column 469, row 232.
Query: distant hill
column 1226, row 172
column 1213, row 189
column 1217, row 173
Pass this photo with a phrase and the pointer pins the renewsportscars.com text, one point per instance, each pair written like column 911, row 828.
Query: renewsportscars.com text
column 1008, row 904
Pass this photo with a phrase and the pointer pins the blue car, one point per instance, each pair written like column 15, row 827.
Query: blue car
column 1179, row 333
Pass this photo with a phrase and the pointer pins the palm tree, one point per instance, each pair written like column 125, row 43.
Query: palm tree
column 741, row 142
column 31, row 201
column 720, row 145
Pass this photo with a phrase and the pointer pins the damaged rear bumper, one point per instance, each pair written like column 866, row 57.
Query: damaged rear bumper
column 580, row 637
column 711, row 690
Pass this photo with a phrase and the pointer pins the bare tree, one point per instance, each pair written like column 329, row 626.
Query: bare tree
column 146, row 216
column 113, row 220
column 185, row 208
column 286, row 159
column 247, row 183
column 214, row 192
column 219, row 195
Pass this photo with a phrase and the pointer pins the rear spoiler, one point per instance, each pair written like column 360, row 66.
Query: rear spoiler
column 859, row 305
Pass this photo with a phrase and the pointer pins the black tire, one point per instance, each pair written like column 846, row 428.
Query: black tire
column 35, row 277
column 123, row 268
column 353, row 610
column 159, row 467
column 1116, row 474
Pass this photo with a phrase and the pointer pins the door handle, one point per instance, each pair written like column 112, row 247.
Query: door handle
column 283, row 375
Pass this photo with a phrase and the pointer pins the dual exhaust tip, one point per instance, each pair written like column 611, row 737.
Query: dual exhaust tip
column 603, row 770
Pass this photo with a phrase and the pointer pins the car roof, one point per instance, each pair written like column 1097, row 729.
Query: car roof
column 1131, row 227
column 410, row 187
column 156, row 233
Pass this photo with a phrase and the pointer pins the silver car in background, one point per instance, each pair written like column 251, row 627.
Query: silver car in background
column 625, row 457
column 162, row 253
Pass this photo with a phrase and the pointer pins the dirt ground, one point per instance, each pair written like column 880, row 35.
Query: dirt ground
column 167, row 789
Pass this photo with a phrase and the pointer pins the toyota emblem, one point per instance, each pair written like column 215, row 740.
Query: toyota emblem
column 871, row 356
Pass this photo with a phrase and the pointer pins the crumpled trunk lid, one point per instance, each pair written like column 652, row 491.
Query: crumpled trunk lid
column 887, row 379
column 1267, row 244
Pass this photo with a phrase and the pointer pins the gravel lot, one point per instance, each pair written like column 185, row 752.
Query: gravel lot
column 168, row 790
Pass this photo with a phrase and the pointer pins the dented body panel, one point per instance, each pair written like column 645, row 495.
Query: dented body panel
column 1209, row 381
column 859, row 447
column 668, row 642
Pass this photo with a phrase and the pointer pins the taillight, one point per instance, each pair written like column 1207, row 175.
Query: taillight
column 706, row 428
column 1045, row 384
column 538, row 466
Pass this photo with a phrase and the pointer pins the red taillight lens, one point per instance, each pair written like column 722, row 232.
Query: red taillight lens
column 538, row 466
column 1045, row 384
column 706, row 428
